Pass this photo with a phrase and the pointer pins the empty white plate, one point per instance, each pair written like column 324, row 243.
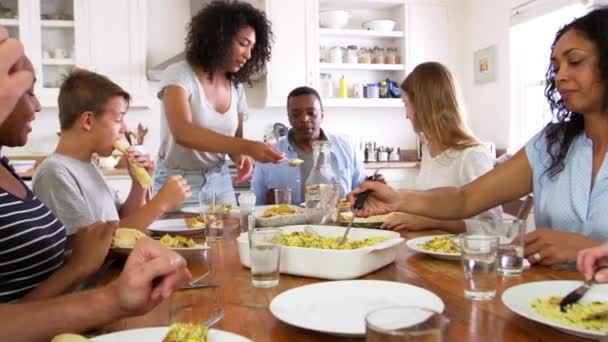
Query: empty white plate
column 158, row 333
column 339, row 307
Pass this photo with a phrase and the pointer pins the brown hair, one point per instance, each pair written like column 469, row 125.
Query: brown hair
column 432, row 92
column 83, row 91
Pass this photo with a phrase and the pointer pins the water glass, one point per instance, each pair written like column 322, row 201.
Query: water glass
column 405, row 323
column 265, row 254
column 195, row 306
column 282, row 196
column 479, row 255
column 214, row 223
column 511, row 234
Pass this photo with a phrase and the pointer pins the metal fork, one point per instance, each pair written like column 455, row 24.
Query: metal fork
column 213, row 320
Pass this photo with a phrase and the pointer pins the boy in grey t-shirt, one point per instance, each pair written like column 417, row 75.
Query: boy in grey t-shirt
column 91, row 117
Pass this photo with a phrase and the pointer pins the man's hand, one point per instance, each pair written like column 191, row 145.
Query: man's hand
column 399, row 221
column 14, row 81
column 152, row 273
column 589, row 259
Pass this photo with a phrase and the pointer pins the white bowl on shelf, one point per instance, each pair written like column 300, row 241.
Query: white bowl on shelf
column 334, row 19
column 381, row 25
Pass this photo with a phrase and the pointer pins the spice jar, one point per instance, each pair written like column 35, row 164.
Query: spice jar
column 336, row 54
column 365, row 56
column 327, row 86
column 378, row 55
column 392, row 56
column 352, row 54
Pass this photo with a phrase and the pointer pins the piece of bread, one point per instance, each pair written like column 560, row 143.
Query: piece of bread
column 126, row 237
column 70, row 338
column 142, row 176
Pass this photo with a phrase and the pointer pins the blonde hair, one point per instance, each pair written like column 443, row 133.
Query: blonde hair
column 431, row 90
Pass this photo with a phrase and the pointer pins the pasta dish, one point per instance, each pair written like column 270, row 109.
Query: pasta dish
column 279, row 210
column 302, row 239
column 576, row 315
column 443, row 244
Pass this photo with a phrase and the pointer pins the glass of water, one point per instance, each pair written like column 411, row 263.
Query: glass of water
column 479, row 254
column 511, row 234
column 405, row 323
column 213, row 216
column 265, row 254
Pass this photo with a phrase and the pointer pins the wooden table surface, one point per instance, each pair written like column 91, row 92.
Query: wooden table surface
column 246, row 307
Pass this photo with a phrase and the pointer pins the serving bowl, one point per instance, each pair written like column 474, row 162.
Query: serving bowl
column 334, row 19
column 331, row 263
column 381, row 25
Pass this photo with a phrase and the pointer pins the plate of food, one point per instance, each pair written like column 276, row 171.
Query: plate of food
column 225, row 208
column 188, row 226
column 339, row 307
column 278, row 215
column 374, row 221
column 164, row 334
column 314, row 251
column 125, row 239
column 438, row 246
column 539, row 301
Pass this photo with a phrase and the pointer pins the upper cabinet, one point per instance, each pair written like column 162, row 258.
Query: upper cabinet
column 352, row 51
column 103, row 36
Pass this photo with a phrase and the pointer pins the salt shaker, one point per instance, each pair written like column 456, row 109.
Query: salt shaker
column 247, row 208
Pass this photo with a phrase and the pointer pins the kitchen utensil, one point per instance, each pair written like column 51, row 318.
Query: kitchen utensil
column 333, row 19
column 359, row 202
column 199, row 285
column 383, row 25
column 575, row 295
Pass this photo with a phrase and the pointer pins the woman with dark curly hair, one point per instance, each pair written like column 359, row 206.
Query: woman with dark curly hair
column 204, row 102
column 562, row 165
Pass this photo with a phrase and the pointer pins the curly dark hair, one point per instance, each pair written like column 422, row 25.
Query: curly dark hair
column 567, row 124
column 212, row 31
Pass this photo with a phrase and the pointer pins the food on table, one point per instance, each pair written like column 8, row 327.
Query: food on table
column 348, row 216
column 279, row 210
column 177, row 241
column 303, row 239
column 186, row 332
column 69, row 338
column 142, row 176
column 344, row 202
column 295, row 162
column 126, row 237
column 576, row 315
column 441, row 244
column 223, row 207
column 195, row 222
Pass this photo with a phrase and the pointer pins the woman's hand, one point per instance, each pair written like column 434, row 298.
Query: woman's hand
column 141, row 160
column 244, row 167
column 548, row 246
column 399, row 221
column 91, row 246
column 263, row 152
column 382, row 198
column 588, row 259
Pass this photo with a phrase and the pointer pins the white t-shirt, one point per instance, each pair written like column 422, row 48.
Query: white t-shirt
column 456, row 168
column 173, row 156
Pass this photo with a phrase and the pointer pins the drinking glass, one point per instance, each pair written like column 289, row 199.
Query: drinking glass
column 214, row 224
column 282, row 196
column 511, row 234
column 479, row 255
column 265, row 254
column 405, row 323
column 196, row 306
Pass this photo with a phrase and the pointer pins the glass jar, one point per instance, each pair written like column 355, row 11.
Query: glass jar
column 322, row 190
column 327, row 86
column 352, row 54
column 392, row 56
column 323, row 54
column 365, row 56
column 378, row 55
column 336, row 54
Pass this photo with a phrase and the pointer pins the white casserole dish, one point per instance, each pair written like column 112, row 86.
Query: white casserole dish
column 332, row 264
column 278, row 221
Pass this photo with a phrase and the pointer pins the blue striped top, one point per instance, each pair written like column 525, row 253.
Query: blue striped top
column 32, row 243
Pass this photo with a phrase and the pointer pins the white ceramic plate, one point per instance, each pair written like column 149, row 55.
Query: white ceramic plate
column 276, row 221
column 414, row 244
column 174, row 226
column 339, row 307
column 195, row 209
column 183, row 251
column 518, row 298
column 158, row 333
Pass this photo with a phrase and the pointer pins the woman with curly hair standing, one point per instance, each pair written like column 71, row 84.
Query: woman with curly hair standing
column 564, row 165
column 204, row 102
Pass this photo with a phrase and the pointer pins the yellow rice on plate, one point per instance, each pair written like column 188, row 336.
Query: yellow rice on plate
column 301, row 239
column 575, row 314
column 443, row 244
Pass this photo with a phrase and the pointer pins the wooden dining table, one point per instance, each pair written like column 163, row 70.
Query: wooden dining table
column 246, row 308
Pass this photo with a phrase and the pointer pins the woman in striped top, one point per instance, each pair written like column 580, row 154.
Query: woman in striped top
column 32, row 239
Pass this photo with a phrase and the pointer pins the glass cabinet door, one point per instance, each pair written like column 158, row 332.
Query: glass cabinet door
column 9, row 17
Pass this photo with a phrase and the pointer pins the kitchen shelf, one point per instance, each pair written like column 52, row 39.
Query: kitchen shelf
column 360, row 33
column 58, row 61
column 9, row 22
column 57, row 23
column 353, row 66
column 360, row 4
column 352, row 102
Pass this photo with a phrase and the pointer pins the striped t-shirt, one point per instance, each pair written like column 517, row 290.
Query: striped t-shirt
column 32, row 243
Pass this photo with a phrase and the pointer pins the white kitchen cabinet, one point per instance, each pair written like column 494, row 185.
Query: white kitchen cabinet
column 104, row 36
column 427, row 32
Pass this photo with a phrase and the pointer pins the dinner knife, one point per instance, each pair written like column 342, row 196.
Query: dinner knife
column 575, row 295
